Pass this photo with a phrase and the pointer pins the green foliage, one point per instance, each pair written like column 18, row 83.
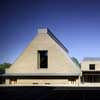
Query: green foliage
column 4, row 66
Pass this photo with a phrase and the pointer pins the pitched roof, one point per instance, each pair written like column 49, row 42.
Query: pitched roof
column 46, row 30
column 91, row 59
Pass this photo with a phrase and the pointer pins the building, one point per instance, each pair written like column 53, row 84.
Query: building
column 90, row 68
column 46, row 61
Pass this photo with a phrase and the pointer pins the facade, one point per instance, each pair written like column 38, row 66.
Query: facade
column 90, row 68
column 46, row 61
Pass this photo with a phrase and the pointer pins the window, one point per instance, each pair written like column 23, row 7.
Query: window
column 43, row 59
column 92, row 66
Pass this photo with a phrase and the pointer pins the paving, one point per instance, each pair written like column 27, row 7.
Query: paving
column 48, row 93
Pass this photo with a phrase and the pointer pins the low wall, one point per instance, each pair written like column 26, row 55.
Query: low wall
column 43, row 81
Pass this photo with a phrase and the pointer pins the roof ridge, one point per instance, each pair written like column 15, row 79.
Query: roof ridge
column 91, row 58
column 56, row 40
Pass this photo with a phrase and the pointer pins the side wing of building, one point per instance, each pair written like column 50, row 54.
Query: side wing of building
column 90, row 68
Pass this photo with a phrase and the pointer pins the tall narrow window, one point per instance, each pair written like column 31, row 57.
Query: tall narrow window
column 43, row 59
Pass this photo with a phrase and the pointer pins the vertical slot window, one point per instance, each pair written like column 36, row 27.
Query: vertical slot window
column 43, row 59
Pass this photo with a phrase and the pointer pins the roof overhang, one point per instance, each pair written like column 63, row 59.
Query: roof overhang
column 91, row 72
column 39, row 75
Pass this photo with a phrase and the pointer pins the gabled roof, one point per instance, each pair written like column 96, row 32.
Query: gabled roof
column 44, row 40
column 91, row 59
column 46, row 30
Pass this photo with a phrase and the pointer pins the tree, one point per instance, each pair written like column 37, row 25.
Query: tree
column 76, row 61
column 4, row 66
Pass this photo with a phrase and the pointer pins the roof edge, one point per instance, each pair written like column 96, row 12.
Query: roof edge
column 47, row 31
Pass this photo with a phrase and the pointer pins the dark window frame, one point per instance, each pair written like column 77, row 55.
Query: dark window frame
column 42, row 59
column 91, row 66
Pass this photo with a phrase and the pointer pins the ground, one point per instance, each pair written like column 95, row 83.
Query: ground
column 49, row 93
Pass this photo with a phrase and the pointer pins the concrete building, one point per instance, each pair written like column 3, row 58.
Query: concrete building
column 46, row 61
column 90, row 68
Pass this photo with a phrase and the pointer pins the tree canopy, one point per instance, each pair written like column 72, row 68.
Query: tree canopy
column 4, row 66
column 76, row 61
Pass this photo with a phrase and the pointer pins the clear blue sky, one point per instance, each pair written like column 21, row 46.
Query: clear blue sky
column 76, row 23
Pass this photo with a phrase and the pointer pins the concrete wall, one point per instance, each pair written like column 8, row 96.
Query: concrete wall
column 43, row 81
